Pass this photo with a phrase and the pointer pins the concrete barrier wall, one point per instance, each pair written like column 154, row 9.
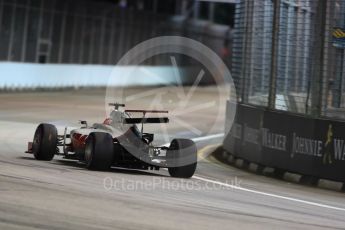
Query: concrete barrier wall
column 288, row 142
column 28, row 75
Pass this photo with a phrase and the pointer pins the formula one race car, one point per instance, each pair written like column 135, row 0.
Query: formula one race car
column 116, row 142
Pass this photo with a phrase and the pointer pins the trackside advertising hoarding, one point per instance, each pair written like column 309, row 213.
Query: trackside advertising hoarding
column 313, row 147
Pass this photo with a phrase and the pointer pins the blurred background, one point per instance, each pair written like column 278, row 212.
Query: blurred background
column 283, row 54
column 64, row 43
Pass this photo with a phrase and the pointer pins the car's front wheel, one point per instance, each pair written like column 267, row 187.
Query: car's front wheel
column 99, row 151
column 182, row 158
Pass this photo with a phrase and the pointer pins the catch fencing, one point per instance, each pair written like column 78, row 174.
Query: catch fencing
column 288, row 65
column 289, row 55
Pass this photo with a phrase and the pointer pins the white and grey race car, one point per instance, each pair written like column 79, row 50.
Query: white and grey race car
column 116, row 142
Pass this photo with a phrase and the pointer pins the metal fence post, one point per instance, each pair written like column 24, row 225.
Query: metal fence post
column 25, row 31
column 274, row 60
column 316, row 79
column 247, row 39
column 12, row 31
column 62, row 33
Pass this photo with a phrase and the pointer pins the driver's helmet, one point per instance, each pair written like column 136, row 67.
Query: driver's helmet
column 116, row 116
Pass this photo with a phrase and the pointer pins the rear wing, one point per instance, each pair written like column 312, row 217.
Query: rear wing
column 146, row 120
column 145, row 111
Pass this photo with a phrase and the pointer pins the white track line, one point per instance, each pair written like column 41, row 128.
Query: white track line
column 198, row 139
column 213, row 136
column 269, row 194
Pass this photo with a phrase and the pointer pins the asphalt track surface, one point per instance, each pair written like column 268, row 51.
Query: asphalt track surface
column 62, row 194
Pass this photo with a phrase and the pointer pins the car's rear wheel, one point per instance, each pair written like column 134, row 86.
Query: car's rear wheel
column 45, row 141
column 99, row 151
column 182, row 158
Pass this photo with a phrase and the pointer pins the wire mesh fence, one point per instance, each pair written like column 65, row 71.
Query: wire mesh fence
column 289, row 46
